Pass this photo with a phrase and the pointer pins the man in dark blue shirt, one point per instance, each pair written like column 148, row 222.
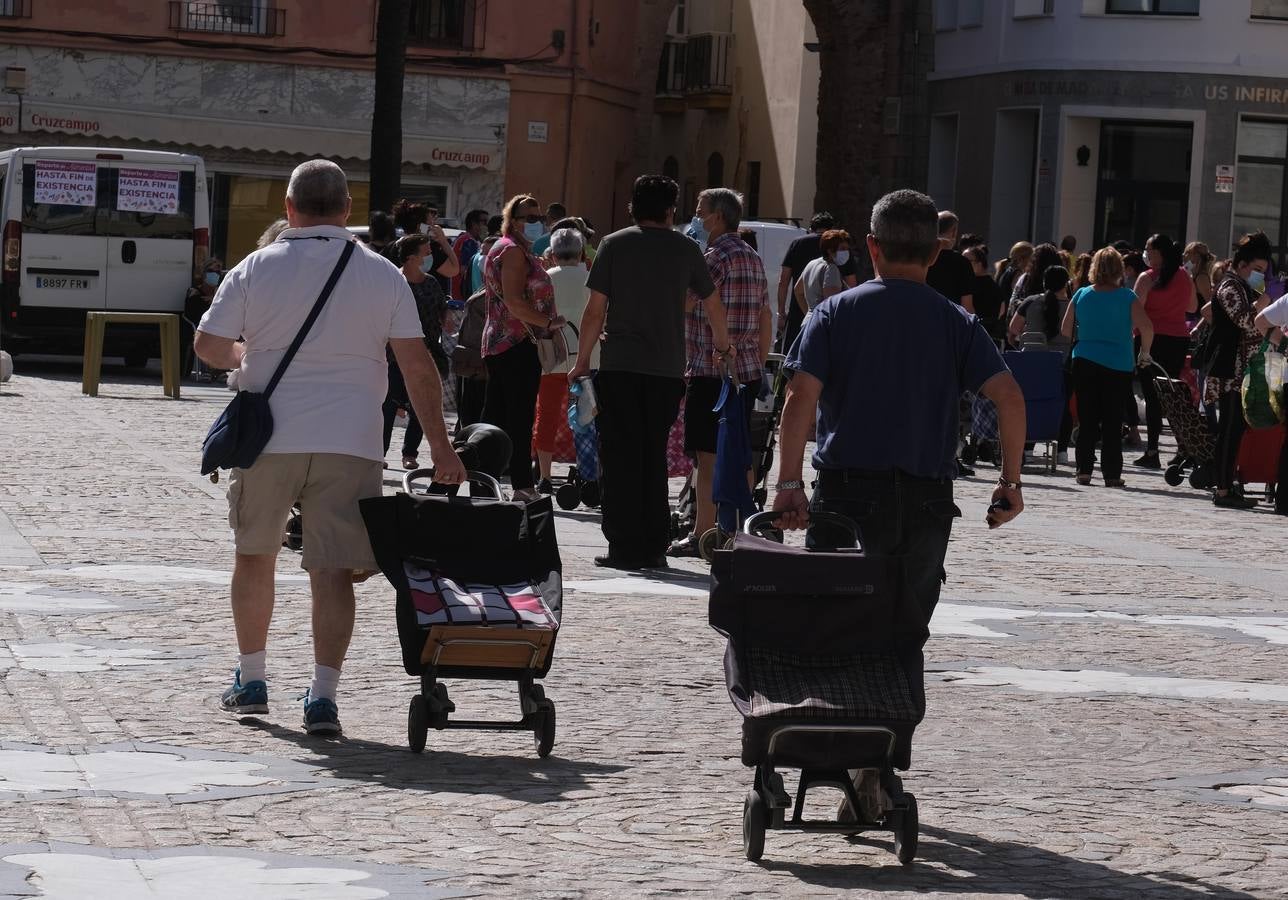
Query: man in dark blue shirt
column 884, row 365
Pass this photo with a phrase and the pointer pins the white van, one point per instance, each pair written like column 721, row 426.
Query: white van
column 97, row 229
column 772, row 241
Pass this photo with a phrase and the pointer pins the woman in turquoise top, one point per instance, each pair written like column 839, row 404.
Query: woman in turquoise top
column 1100, row 319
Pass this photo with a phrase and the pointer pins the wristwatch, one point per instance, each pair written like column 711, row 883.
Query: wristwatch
column 790, row 486
column 1009, row 485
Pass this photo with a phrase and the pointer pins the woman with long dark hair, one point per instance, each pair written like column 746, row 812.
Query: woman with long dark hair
column 1167, row 291
column 1234, row 339
column 1103, row 360
column 1030, row 283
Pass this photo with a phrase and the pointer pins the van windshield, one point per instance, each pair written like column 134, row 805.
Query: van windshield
column 130, row 202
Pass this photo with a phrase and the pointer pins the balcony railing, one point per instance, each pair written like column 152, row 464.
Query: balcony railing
column 708, row 64
column 670, row 71
column 15, row 9
column 253, row 17
column 452, row 24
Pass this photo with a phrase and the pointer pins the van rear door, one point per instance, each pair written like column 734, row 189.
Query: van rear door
column 151, row 212
column 64, row 234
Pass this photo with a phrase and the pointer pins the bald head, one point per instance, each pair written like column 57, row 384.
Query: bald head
column 317, row 194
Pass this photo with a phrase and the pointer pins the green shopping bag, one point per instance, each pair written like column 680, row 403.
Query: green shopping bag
column 1263, row 386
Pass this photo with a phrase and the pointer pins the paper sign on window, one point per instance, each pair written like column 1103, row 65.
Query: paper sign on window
column 147, row 191
column 66, row 183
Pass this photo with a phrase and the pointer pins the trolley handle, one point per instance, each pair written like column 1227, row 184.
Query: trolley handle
column 474, row 479
column 761, row 522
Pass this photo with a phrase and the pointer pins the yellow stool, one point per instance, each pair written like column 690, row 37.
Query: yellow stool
column 95, row 329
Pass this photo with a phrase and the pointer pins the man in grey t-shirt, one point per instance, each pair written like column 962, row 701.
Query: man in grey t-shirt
column 639, row 287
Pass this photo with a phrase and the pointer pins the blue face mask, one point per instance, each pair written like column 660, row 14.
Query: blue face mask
column 533, row 230
column 842, row 257
column 212, row 279
column 1257, row 281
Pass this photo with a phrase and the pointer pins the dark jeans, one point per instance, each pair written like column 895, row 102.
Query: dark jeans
column 897, row 515
column 1066, row 417
column 513, row 378
column 412, row 439
column 1100, row 416
column 1169, row 352
column 1229, row 436
column 636, row 413
column 470, row 396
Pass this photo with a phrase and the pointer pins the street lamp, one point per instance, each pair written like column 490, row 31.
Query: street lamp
column 15, row 82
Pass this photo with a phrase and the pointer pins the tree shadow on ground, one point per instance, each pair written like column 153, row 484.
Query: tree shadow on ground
column 967, row 863
column 519, row 777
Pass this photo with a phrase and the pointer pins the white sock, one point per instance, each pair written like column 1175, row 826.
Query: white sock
column 252, row 666
column 325, row 682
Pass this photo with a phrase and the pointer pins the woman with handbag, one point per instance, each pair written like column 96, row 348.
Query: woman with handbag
column 522, row 327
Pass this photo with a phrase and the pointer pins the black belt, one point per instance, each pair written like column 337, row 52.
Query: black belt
column 846, row 475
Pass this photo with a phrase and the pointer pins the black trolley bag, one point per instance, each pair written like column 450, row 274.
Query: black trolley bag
column 824, row 663
column 472, row 545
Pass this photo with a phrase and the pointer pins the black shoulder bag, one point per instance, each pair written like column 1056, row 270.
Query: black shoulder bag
column 243, row 429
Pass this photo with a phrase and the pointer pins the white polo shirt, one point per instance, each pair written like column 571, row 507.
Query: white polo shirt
column 330, row 397
column 1277, row 313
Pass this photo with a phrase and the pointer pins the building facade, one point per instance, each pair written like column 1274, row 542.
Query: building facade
column 737, row 104
column 500, row 97
column 1111, row 119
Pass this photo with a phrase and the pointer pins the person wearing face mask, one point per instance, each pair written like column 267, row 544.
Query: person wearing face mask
column 1235, row 338
column 1167, row 291
column 822, row 277
column 696, row 231
column 195, row 305
column 549, row 225
column 1198, row 263
column 951, row 274
column 417, row 218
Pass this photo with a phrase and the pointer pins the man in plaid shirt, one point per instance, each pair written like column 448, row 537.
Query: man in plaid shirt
column 739, row 275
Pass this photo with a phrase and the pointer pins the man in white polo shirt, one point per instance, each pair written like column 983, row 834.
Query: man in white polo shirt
column 1273, row 323
column 325, row 452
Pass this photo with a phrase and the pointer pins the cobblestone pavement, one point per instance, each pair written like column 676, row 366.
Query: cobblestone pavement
column 1108, row 701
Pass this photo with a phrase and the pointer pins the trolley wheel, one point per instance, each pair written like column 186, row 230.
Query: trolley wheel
column 417, row 723
column 1199, row 479
column 709, row 543
column 906, row 832
column 590, row 495
column 754, row 818
column 568, row 496
column 544, row 735
column 1173, row 476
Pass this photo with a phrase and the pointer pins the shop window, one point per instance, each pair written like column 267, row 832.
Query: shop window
column 1153, row 7
column 1270, row 9
column 444, row 23
column 1261, row 180
column 255, row 17
column 1025, row 9
column 945, row 15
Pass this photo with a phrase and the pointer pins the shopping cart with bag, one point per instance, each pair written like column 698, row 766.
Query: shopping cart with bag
column 478, row 584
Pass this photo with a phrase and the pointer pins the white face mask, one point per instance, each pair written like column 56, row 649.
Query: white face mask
column 842, row 257
column 533, row 230
column 424, row 228
column 1190, row 267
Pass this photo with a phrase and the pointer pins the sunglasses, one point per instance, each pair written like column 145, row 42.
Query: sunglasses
column 534, row 217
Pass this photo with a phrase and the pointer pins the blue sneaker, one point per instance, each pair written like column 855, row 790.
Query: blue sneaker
column 243, row 699
column 321, row 716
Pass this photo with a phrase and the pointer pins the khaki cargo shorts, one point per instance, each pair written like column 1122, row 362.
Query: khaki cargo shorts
column 327, row 486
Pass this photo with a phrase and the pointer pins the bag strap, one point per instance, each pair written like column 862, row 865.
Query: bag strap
column 345, row 254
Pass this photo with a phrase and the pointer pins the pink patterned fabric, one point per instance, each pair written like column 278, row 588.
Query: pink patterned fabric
column 503, row 331
column 678, row 463
column 442, row 601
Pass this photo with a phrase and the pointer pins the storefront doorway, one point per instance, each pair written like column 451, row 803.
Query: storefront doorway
column 1143, row 185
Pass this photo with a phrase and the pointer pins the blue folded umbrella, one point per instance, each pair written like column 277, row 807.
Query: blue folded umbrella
column 731, row 491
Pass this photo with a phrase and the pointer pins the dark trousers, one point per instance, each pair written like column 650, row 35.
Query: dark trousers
column 1066, row 417
column 1100, row 416
column 513, row 378
column 636, row 413
column 1229, row 435
column 414, row 435
column 1169, row 352
column 470, row 396
column 897, row 515
column 795, row 319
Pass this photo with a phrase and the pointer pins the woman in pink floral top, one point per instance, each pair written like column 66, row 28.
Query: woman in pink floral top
column 520, row 304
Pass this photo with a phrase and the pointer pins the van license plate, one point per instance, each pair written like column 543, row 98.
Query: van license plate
column 63, row 284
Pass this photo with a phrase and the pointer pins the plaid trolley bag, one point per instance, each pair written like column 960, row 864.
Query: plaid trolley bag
column 479, row 595
column 824, row 664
